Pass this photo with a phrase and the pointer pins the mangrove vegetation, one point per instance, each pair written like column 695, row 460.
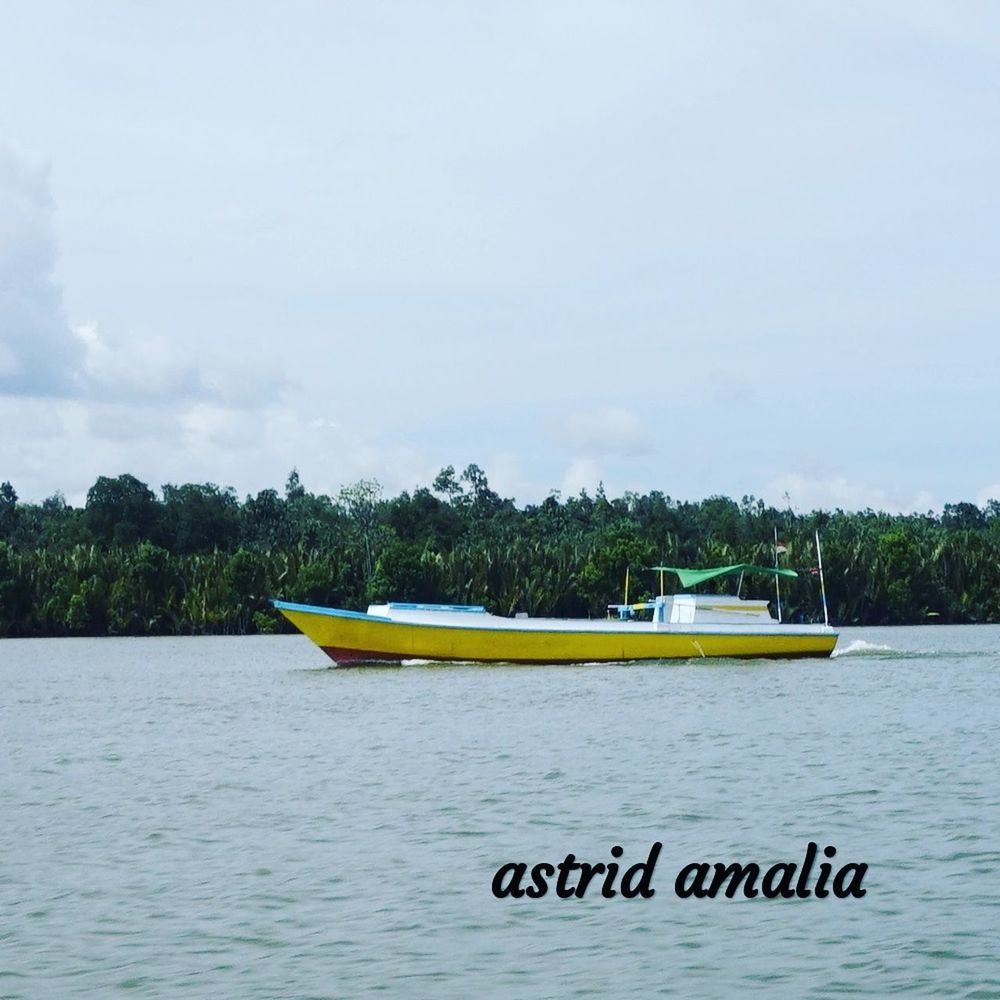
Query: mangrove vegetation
column 195, row 559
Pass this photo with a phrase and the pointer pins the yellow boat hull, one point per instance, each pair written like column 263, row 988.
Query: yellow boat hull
column 348, row 637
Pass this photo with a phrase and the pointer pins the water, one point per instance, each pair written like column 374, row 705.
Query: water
column 227, row 817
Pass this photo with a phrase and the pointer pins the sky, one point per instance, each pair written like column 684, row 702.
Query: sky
column 702, row 248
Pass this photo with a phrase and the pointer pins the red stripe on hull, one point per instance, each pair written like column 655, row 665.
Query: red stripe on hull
column 340, row 655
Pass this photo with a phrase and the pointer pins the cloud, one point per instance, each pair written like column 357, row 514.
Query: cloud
column 805, row 493
column 148, row 370
column 582, row 474
column 78, row 401
column 600, row 235
column 608, row 430
column 39, row 354
column 43, row 355
column 144, row 369
column 988, row 493
column 506, row 476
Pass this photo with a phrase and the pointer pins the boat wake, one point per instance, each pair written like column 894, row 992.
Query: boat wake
column 879, row 651
column 861, row 647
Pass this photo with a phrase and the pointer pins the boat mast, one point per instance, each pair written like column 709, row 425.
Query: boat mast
column 822, row 585
column 777, row 585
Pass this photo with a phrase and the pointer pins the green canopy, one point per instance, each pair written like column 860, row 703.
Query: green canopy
column 692, row 577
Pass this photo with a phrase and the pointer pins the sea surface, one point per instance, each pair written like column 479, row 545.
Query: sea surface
column 227, row 817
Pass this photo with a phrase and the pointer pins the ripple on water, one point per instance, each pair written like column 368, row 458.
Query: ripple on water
column 220, row 817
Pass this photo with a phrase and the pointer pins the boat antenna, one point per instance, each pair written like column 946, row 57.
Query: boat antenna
column 822, row 585
column 777, row 577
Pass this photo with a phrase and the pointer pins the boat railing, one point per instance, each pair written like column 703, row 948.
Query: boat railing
column 627, row 611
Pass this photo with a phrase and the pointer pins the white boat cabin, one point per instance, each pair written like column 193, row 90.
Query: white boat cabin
column 709, row 609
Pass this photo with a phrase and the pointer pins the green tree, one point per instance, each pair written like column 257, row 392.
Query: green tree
column 362, row 502
column 121, row 511
column 264, row 521
column 8, row 510
column 200, row 518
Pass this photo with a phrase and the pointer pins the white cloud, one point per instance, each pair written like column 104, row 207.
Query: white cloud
column 607, row 430
column 78, row 401
column 46, row 444
column 43, row 355
column 142, row 369
column 506, row 476
column 806, row 493
column 582, row 474
column 988, row 493
column 65, row 444
column 599, row 229
column 38, row 353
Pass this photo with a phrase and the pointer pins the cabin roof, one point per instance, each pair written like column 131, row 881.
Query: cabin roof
column 692, row 577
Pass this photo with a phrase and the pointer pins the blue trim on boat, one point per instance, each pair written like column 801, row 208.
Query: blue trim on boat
column 313, row 609
column 405, row 606
column 631, row 626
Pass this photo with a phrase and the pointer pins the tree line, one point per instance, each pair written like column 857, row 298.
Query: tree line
column 195, row 559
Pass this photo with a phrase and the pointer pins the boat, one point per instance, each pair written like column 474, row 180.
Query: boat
column 667, row 627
